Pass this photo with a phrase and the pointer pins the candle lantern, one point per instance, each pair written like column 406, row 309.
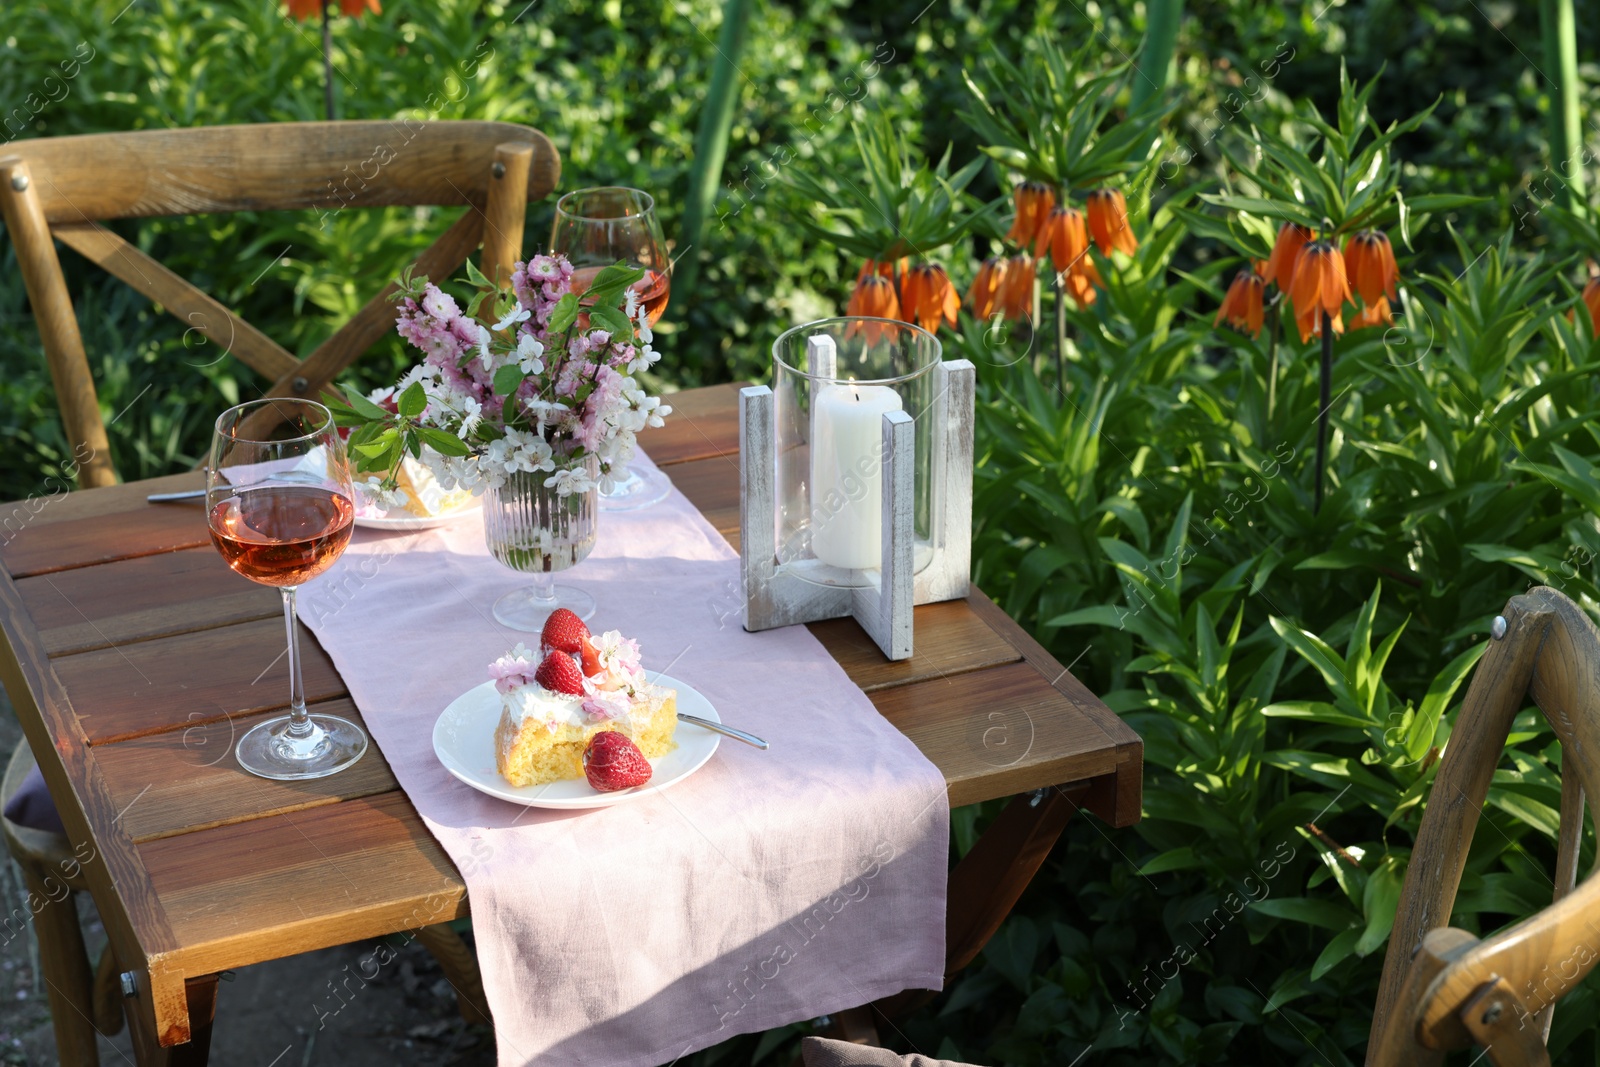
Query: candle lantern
column 856, row 478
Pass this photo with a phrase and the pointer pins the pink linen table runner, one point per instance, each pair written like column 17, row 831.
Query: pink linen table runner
column 767, row 888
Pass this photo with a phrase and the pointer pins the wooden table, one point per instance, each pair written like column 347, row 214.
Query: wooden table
column 134, row 657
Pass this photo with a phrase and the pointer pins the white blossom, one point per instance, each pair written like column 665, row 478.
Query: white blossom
column 515, row 315
column 529, row 349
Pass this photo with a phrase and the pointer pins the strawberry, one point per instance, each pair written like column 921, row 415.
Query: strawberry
column 613, row 762
column 564, row 632
column 591, row 659
column 559, row 673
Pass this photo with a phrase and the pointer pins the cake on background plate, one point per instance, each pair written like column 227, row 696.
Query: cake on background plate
column 555, row 701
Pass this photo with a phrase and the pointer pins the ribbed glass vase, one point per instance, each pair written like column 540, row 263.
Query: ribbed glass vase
column 538, row 531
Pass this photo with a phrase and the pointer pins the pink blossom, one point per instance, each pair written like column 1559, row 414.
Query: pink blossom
column 513, row 669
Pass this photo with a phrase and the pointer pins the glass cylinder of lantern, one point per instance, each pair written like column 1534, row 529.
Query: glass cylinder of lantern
column 833, row 380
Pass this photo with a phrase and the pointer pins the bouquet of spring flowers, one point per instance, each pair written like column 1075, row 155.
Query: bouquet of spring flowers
column 526, row 380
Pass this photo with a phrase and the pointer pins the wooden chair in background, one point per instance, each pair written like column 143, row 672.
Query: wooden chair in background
column 1443, row 988
column 63, row 188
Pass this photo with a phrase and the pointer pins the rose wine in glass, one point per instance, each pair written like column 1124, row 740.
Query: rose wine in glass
column 652, row 289
column 595, row 228
column 279, row 505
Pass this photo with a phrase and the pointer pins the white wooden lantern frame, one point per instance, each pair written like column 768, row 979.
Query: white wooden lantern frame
column 774, row 597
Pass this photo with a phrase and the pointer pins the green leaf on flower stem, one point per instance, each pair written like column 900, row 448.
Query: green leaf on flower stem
column 412, row 401
column 362, row 406
column 446, row 444
column 507, row 378
column 1380, row 900
column 380, row 445
column 1335, row 953
column 1324, row 913
column 611, row 282
column 477, row 277
column 564, row 314
column 612, row 321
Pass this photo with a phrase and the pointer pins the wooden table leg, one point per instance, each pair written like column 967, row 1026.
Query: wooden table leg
column 196, row 1052
column 988, row 881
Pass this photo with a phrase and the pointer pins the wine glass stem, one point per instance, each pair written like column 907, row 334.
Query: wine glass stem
column 544, row 589
column 299, row 719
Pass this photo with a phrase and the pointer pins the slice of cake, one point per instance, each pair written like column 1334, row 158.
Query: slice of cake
column 576, row 686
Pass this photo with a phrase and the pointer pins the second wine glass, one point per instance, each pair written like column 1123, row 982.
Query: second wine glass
column 595, row 228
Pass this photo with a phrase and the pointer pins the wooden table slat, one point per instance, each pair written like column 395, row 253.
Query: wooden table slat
column 293, row 882
column 136, row 599
column 954, row 640
column 166, row 785
column 44, row 548
column 998, row 732
column 173, row 683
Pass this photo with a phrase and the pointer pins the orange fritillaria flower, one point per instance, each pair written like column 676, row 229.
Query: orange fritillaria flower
column 1016, row 289
column 1376, row 313
column 1108, row 222
column 984, row 294
column 1591, row 300
column 928, row 296
column 1064, row 238
column 882, row 268
column 1241, row 307
column 1370, row 260
column 874, row 297
column 1279, row 269
column 1319, row 285
column 1080, row 287
column 304, row 9
column 1034, row 201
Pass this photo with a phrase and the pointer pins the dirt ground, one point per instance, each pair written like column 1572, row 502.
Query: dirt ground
column 278, row 1014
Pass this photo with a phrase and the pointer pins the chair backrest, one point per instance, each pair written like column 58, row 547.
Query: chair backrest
column 62, row 188
column 1443, row 988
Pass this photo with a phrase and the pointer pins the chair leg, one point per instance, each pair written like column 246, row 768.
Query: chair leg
column 64, row 966
column 460, row 968
column 107, row 995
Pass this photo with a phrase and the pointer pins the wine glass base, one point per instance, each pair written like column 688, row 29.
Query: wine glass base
column 267, row 751
column 637, row 489
column 526, row 610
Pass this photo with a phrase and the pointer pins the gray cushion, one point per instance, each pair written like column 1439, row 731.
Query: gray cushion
column 31, row 805
column 822, row 1052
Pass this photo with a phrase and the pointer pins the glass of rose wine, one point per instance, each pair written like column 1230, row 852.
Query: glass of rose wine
column 595, row 228
column 279, row 503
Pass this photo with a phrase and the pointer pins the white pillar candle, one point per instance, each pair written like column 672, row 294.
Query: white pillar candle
column 847, row 473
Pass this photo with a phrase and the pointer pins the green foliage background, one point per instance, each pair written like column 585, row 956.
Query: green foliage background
column 1148, row 515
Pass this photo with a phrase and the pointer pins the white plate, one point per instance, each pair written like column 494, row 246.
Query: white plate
column 407, row 521
column 463, row 739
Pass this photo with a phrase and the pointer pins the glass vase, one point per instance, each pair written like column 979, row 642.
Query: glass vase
column 538, row 531
column 832, row 382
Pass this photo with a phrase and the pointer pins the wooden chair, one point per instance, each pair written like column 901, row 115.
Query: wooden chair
column 1443, row 988
column 82, row 999
column 65, row 187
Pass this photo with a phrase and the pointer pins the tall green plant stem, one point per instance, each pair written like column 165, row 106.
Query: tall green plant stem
column 1325, row 401
column 327, row 59
column 1276, row 331
column 711, row 142
column 1061, row 333
column 1558, row 24
column 1153, row 71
